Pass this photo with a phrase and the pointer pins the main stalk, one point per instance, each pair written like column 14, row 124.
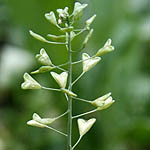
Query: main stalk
column 69, row 144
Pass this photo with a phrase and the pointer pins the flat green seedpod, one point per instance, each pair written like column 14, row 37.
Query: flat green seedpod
column 43, row 69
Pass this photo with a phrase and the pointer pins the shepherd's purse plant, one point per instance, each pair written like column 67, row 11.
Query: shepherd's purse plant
column 65, row 24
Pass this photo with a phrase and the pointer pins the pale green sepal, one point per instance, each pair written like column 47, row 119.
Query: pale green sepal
column 51, row 18
column 87, row 38
column 78, row 10
column 43, row 69
column 30, row 83
column 37, row 36
column 70, row 93
column 43, row 58
column 106, row 48
column 88, row 62
column 85, row 125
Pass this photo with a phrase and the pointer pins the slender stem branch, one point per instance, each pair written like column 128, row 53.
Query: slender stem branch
column 77, row 142
column 59, row 68
column 50, row 89
column 66, row 96
column 78, row 78
column 69, row 143
column 80, row 61
column 50, row 42
column 83, row 114
column 63, row 64
column 81, row 31
column 56, row 130
column 81, row 99
column 62, row 115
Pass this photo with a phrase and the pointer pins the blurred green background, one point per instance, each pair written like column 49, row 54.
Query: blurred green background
column 125, row 72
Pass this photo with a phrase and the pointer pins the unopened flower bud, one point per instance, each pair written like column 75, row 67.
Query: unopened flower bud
column 106, row 48
column 29, row 83
column 43, row 58
column 85, row 125
column 78, row 10
column 88, row 62
column 61, row 79
column 43, row 69
column 51, row 18
column 90, row 20
column 68, row 92
column 37, row 36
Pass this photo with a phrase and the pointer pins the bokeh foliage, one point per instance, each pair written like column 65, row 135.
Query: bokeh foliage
column 125, row 72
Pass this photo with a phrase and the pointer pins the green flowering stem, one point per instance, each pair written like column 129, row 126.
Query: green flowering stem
column 78, row 78
column 81, row 99
column 83, row 114
column 77, row 142
column 56, row 130
column 50, row 89
column 69, row 128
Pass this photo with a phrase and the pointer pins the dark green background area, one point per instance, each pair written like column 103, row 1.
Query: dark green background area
column 125, row 72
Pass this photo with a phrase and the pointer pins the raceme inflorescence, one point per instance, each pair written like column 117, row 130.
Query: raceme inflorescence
column 65, row 24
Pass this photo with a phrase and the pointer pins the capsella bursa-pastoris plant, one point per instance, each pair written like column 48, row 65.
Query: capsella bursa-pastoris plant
column 65, row 24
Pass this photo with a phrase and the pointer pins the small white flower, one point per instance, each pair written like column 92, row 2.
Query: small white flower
column 61, row 79
column 63, row 13
column 78, row 9
column 29, row 83
column 106, row 48
column 43, row 58
column 85, row 125
column 51, row 18
column 88, row 62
